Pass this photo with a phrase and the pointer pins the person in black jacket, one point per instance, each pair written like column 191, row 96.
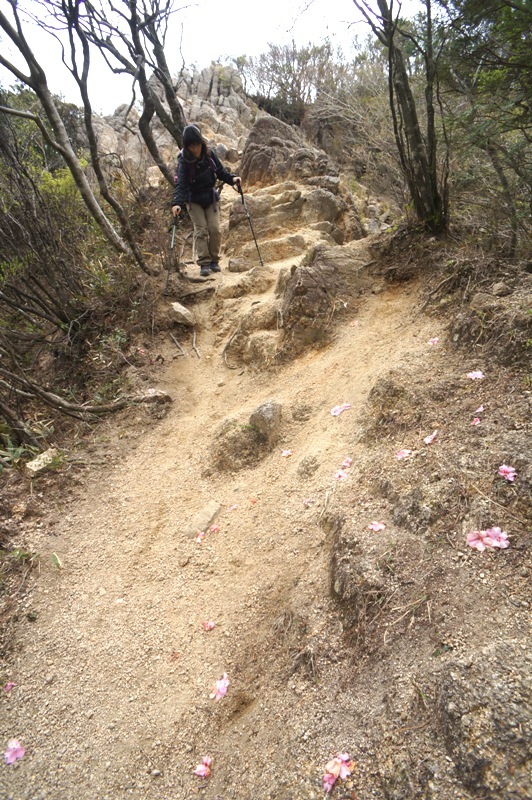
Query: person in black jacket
column 198, row 169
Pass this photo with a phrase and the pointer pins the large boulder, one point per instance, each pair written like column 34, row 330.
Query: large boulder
column 274, row 151
column 287, row 209
column 312, row 294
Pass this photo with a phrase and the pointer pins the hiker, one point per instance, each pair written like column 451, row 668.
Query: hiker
column 198, row 169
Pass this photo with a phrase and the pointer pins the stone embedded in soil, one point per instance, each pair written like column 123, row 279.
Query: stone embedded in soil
column 239, row 265
column 267, row 419
column 41, row 463
column 181, row 315
column 204, row 518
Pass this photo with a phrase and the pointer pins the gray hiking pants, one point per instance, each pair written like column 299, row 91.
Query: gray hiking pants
column 207, row 236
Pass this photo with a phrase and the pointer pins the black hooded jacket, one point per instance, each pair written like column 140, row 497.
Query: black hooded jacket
column 195, row 180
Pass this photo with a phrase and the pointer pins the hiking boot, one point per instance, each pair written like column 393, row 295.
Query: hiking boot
column 215, row 267
column 204, row 271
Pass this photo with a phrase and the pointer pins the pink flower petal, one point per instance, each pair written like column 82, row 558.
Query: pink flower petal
column 9, row 685
column 403, row 454
column 508, row 473
column 208, row 626
column 286, row 453
column 200, row 536
column 494, row 537
column 475, row 421
column 219, row 689
column 328, row 782
column 339, row 767
column 376, row 526
column 233, row 507
column 307, row 502
column 476, row 375
column 475, row 540
column 203, row 770
column 337, row 410
column 429, row 439
column 347, row 462
column 214, row 529
column 434, row 340
column 14, row 751
column 479, row 410
column 341, row 475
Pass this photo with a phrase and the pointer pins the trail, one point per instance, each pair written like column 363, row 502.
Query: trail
column 113, row 678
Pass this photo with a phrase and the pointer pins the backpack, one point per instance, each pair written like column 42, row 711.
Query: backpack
column 218, row 184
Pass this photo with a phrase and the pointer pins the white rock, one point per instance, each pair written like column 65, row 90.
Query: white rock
column 42, row 462
column 181, row 315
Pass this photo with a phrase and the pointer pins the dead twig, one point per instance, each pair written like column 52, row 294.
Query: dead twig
column 448, row 279
column 228, row 344
column 409, row 608
column 177, row 345
column 194, row 344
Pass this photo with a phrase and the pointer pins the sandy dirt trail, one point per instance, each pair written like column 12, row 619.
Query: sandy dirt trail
column 113, row 678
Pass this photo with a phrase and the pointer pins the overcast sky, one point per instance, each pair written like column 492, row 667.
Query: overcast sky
column 210, row 29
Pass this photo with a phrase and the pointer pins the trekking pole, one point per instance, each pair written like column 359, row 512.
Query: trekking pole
column 246, row 210
column 173, row 228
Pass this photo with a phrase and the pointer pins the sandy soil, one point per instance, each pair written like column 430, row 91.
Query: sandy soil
column 114, row 674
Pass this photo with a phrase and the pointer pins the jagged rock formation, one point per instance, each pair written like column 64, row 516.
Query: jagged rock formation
column 274, row 151
column 213, row 99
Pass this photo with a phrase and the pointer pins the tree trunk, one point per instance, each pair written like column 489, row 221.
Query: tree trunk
column 417, row 155
column 36, row 80
column 81, row 80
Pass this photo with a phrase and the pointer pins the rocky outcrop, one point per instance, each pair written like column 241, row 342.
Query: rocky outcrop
column 274, row 152
column 214, row 99
column 313, row 291
column 288, row 217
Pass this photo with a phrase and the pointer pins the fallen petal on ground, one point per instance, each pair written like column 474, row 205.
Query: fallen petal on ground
column 401, row 454
column 492, row 538
column 337, row 410
column 507, row 472
column 203, row 770
column 14, row 751
column 219, row 689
